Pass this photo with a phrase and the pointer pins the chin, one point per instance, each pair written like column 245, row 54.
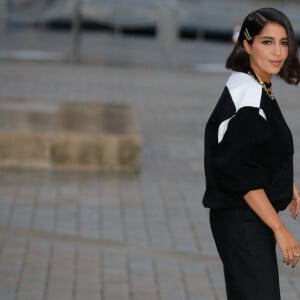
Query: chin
column 274, row 71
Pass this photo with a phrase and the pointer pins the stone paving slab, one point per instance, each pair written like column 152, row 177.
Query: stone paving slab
column 144, row 236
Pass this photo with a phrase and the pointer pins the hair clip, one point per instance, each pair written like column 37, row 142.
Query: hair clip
column 247, row 35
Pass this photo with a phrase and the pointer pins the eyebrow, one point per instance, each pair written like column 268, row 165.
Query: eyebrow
column 272, row 38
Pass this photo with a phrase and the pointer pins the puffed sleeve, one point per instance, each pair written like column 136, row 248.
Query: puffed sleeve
column 244, row 161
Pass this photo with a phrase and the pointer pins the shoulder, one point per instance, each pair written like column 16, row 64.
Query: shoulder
column 244, row 90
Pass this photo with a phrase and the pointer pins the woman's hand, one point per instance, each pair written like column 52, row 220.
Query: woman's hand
column 260, row 204
column 288, row 245
column 294, row 206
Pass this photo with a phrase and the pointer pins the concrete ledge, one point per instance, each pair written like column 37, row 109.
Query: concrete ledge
column 69, row 136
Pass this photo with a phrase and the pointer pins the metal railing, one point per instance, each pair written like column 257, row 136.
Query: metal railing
column 165, row 15
column 134, row 12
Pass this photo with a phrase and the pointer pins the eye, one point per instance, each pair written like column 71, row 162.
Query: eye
column 285, row 43
column 267, row 42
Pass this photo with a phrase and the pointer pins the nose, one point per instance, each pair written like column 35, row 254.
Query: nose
column 277, row 49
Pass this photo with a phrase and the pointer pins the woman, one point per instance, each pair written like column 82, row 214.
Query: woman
column 249, row 160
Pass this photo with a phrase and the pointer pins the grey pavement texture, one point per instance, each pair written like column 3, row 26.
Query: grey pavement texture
column 99, row 236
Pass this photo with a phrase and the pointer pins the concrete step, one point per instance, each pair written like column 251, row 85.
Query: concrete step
column 69, row 136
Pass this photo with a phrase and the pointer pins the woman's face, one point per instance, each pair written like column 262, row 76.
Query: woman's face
column 268, row 51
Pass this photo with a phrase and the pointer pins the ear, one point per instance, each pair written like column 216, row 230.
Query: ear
column 247, row 46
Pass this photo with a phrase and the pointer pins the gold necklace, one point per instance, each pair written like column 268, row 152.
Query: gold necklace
column 266, row 89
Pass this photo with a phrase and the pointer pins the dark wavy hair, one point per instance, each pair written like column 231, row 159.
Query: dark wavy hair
column 253, row 24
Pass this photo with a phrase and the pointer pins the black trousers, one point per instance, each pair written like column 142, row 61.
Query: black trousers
column 247, row 248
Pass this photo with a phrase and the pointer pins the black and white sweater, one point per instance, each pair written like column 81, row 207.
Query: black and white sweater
column 248, row 146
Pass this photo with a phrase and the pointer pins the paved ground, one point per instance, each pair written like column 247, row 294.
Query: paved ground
column 89, row 236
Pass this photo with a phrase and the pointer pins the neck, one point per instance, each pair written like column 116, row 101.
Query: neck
column 265, row 77
column 268, row 90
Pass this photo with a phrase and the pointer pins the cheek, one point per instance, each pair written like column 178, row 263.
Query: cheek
column 258, row 52
column 258, row 57
column 286, row 53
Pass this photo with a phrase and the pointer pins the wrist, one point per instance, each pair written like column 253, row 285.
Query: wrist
column 278, row 226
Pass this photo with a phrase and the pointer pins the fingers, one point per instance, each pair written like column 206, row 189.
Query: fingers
column 295, row 203
column 292, row 258
column 295, row 260
column 294, row 207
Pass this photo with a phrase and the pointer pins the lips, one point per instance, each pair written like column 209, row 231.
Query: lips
column 276, row 63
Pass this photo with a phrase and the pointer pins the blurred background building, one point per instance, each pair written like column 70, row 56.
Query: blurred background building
column 94, row 30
